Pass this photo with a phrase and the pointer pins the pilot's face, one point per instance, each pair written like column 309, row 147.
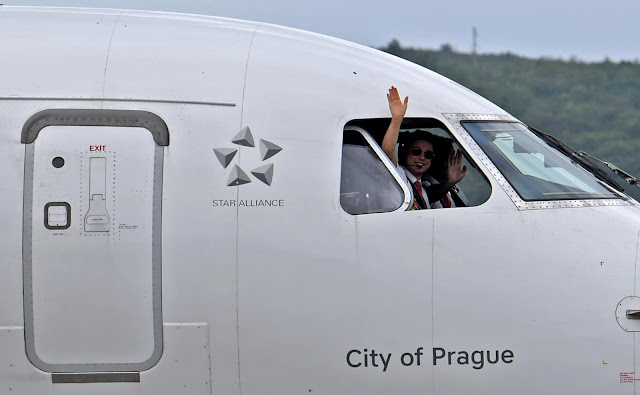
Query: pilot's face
column 419, row 157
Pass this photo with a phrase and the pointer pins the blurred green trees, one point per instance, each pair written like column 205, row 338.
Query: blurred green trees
column 594, row 107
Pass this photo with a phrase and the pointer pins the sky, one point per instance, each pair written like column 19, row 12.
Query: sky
column 587, row 30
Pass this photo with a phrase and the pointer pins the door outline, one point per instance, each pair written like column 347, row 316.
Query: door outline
column 83, row 117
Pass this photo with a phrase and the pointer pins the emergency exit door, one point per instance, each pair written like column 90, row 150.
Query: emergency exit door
column 92, row 240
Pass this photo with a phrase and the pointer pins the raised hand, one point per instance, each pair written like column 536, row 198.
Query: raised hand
column 397, row 107
column 454, row 171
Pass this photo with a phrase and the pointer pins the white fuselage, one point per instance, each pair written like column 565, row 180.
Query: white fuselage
column 174, row 266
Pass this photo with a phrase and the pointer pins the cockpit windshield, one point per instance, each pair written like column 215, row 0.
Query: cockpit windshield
column 534, row 169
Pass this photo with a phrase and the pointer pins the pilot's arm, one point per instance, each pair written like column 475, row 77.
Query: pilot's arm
column 398, row 109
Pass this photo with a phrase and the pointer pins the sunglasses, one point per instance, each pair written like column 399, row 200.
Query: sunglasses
column 415, row 151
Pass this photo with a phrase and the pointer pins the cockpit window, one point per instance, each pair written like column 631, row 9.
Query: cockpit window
column 370, row 182
column 367, row 185
column 534, row 169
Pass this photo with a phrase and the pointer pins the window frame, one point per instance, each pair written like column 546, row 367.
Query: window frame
column 456, row 121
column 408, row 196
column 518, row 168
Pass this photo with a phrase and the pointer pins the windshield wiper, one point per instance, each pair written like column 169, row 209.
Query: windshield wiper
column 623, row 174
column 579, row 157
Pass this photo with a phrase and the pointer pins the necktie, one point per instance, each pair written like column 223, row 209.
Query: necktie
column 446, row 202
column 418, row 185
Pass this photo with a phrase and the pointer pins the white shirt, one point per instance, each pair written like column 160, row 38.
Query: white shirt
column 410, row 179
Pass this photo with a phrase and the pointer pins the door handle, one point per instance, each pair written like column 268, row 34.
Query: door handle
column 633, row 314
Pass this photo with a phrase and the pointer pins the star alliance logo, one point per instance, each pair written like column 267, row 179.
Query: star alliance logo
column 237, row 175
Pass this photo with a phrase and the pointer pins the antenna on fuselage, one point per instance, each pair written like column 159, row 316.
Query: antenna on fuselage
column 474, row 45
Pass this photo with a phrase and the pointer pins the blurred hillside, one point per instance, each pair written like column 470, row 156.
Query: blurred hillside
column 594, row 107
